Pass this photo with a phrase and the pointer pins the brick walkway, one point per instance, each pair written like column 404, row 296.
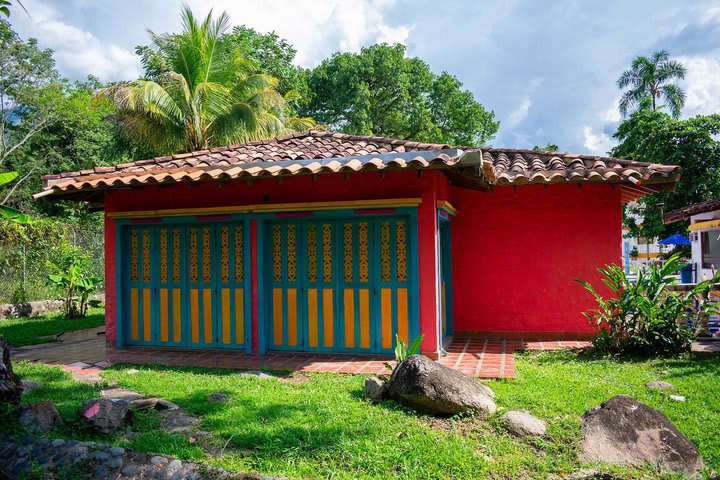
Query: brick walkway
column 84, row 353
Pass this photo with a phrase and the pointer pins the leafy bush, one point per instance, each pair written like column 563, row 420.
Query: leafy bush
column 402, row 351
column 73, row 281
column 645, row 317
column 26, row 250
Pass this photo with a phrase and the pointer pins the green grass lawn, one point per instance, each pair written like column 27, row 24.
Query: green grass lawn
column 43, row 329
column 318, row 425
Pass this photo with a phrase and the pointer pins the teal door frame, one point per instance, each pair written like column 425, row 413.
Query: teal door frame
column 123, row 285
column 445, row 249
column 337, row 218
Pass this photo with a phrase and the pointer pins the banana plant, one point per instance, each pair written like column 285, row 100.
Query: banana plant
column 7, row 213
column 402, row 350
column 75, row 286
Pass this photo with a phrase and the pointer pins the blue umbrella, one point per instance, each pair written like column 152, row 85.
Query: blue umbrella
column 675, row 239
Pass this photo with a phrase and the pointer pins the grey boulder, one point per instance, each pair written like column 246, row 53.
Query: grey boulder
column 623, row 431
column 429, row 387
column 106, row 415
column 522, row 423
column 659, row 385
column 375, row 389
column 38, row 417
column 30, row 385
column 218, row 397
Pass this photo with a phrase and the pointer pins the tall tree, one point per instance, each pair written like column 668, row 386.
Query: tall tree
column 203, row 96
column 29, row 88
column 268, row 53
column 380, row 91
column 653, row 136
column 77, row 137
column 653, row 78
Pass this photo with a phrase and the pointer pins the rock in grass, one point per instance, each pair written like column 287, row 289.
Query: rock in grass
column 429, row 387
column 623, row 431
column 218, row 397
column 105, row 415
column 523, row 423
column 30, row 385
column 256, row 373
column 375, row 389
column 659, row 385
column 38, row 417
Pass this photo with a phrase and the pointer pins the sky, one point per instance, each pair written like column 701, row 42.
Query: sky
column 548, row 69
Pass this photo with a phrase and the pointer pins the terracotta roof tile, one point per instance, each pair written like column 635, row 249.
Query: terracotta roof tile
column 696, row 209
column 505, row 166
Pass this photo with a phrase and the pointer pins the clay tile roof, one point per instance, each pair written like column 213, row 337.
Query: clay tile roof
column 696, row 209
column 312, row 151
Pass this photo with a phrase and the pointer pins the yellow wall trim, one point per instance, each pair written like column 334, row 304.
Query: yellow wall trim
column 447, row 206
column 707, row 224
column 267, row 208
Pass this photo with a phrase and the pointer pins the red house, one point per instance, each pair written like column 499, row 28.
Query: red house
column 327, row 242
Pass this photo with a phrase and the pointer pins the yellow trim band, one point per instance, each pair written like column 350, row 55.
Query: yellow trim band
column 268, row 208
column 447, row 206
column 706, row 224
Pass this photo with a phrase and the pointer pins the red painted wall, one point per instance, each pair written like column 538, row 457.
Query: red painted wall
column 362, row 186
column 110, row 288
column 516, row 254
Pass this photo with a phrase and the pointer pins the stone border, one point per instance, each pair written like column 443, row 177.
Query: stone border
column 35, row 309
column 25, row 454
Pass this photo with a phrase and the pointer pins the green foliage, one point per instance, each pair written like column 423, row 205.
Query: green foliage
column 634, row 252
column 652, row 136
column 26, row 250
column 8, row 213
column 379, row 91
column 47, row 125
column 652, row 78
column 5, row 7
column 550, row 147
column 644, row 317
column 402, row 351
column 268, row 53
column 72, row 280
column 202, row 96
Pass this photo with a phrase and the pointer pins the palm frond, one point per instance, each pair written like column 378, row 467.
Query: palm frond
column 627, row 78
column 675, row 97
column 298, row 124
column 671, row 70
column 659, row 56
column 627, row 100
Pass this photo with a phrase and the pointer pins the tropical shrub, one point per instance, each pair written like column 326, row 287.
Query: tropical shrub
column 27, row 249
column 645, row 317
column 402, row 350
column 73, row 282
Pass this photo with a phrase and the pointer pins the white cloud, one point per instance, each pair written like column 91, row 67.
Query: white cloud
column 702, row 84
column 612, row 114
column 316, row 28
column 520, row 112
column 597, row 143
column 78, row 52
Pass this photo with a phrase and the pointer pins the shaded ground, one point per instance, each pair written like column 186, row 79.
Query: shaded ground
column 46, row 328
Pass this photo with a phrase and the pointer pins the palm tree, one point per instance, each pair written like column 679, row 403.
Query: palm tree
column 207, row 97
column 653, row 78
